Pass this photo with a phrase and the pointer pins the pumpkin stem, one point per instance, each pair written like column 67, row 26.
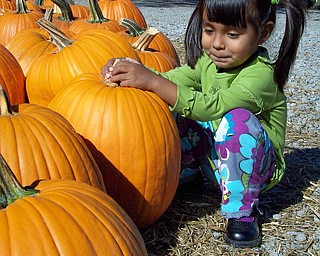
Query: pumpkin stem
column 48, row 14
column 66, row 11
column 96, row 15
column 59, row 38
column 145, row 39
column 39, row 2
column 21, row 7
column 10, row 188
column 5, row 106
column 133, row 27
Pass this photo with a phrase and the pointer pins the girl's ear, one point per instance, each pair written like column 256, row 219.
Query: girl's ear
column 266, row 32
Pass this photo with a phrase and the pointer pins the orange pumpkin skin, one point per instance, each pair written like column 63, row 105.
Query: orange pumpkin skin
column 160, row 43
column 117, row 9
column 134, row 139
column 68, row 218
column 83, row 25
column 159, row 61
column 87, row 54
column 12, row 77
column 11, row 23
column 26, row 51
column 80, row 11
column 5, row 4
column 39, row 143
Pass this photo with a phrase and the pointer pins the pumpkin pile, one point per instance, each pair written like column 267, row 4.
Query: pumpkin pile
column 83, row 163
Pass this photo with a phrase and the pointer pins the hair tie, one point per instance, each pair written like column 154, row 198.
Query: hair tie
column 275, row 2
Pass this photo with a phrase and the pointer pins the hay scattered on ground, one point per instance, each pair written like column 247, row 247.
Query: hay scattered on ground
column 291, row 211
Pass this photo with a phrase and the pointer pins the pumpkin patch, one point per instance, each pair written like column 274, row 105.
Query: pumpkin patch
column 100, row 161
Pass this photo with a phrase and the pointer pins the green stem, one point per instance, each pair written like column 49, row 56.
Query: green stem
column 39, row 2
column 133, row 27
column 59, row 38
column 96, row 15
column 10, row 188
column 21, row 7
column 66, row 11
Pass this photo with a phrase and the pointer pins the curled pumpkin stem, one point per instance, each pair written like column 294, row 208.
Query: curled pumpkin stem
column 59, row 38
column 133, row 27
column 145, row 39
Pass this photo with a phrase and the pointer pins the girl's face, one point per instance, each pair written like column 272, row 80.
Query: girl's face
column 229, row 46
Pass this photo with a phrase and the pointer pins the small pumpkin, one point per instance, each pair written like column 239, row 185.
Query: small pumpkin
column 133, row 137
column 63, row 217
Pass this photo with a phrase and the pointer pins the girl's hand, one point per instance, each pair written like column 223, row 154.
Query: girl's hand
column 131, row 73
column 108, row 68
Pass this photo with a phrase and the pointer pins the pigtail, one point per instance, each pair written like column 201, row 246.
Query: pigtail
column 295, row 21
column 192, row 41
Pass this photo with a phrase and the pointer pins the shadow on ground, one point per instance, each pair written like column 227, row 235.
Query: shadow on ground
column 302, row 167
column 197, row 201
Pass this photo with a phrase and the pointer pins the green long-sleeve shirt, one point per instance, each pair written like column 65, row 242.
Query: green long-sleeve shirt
column 206, row 93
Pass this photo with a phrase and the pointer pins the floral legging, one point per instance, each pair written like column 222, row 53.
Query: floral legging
column 239, row 156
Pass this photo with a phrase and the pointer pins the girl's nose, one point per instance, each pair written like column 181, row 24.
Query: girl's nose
column 218, row 42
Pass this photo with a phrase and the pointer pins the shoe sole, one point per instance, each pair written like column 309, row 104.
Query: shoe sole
column 243, row 244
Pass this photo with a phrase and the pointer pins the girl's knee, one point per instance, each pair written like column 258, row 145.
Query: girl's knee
column 236, row 122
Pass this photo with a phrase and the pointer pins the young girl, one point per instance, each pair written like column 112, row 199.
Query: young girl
column 235, row 94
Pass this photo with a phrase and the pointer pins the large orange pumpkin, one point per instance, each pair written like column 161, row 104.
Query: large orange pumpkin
column 39, row 143
column 87, row 53
column 12, row 78
column 133, row 138
column 63, row 217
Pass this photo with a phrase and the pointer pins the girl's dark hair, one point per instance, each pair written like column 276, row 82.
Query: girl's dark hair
column 257, row 13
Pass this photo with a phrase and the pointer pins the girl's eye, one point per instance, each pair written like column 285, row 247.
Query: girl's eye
column 208, row 30
column 233, row 35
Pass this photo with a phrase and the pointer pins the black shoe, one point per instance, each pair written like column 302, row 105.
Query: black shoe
column 242, row 234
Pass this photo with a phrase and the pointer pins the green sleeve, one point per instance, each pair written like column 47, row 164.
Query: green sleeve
column 208, row 95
